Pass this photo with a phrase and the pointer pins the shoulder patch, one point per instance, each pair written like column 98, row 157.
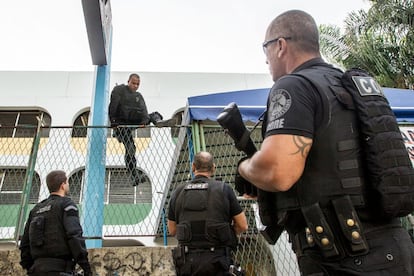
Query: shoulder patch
column 280, row 103
column 71, row 210
column 70, row 207
column 367, row 86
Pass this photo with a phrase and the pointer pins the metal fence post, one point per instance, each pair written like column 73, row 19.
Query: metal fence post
column 28, row 183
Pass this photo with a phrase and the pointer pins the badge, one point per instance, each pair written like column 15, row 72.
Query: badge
column 280, row 103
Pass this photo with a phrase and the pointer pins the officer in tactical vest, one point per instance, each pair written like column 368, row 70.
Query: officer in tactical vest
column 311, row 160
column 205, row 216
column 52, row 242
column 127, row 107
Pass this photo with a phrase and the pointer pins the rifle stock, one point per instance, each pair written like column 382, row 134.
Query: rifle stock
column 230, row 119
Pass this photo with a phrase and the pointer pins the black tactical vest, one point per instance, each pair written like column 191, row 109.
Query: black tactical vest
column 46, row 232
column 132, row 109
column 203, row 215
column 334, row 165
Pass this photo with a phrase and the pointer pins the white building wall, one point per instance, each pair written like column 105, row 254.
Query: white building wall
column 64, row 94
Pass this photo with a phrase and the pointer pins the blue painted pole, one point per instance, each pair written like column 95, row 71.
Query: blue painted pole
column 164, row 227
column 94, row 188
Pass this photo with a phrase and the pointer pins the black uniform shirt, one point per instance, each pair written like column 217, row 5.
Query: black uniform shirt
column 294, row 106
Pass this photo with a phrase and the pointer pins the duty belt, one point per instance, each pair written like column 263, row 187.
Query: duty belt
column 53, row 264
column 194, row 250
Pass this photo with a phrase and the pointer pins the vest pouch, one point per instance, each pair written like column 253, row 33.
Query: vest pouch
column 196, row 197
column 184, row 232
column 37, row 231
column 221, row 233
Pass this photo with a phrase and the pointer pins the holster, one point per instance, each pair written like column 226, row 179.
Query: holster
column 178, row 254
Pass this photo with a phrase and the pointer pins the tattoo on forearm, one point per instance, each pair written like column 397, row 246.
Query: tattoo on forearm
column 302, row 145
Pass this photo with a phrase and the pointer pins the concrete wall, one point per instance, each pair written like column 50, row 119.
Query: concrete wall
column 109, row 261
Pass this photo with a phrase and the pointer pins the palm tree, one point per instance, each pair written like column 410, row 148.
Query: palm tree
column 380, row 41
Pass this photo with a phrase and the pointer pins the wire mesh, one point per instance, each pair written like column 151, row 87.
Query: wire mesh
column 130, row 207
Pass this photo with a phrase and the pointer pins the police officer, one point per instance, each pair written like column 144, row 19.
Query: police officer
column 310, row 163
column 205, row 216
column 127, row 106
column 52, row 242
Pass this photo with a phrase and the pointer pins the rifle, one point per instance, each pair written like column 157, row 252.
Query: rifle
column 231, row 121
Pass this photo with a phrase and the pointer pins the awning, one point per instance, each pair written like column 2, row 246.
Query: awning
column 252, row 104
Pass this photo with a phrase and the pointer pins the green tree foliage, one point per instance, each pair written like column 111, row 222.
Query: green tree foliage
column 380, row 41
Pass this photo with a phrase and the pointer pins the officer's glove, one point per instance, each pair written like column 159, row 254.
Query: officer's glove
column 244, row 187
column 154, row 117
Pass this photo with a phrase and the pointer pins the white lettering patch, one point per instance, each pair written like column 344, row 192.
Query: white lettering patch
column 279, row 123
column 367, row 86
column 196, row 186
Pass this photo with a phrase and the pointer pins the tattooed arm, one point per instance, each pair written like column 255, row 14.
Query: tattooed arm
column 279, row 163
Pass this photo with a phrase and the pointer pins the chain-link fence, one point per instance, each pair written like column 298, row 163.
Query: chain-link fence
column 132, row 190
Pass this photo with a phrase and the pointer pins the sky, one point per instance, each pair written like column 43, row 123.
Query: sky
column 152, row 35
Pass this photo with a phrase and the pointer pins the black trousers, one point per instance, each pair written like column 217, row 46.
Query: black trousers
column 125, row 136
column 391, row 253
column 205, row 263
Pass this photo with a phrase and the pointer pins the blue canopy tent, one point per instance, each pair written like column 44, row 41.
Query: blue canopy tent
column 252, row 103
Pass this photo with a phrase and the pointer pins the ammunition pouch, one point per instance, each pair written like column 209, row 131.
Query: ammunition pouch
column 321, row 231
column 350, row 225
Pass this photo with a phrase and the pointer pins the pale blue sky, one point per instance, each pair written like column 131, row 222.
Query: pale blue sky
column 152, row 35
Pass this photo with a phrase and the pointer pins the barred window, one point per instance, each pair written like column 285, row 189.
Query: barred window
column 23, row 123
column 118, row 188
column 12, row 183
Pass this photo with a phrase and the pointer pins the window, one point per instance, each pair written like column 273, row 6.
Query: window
column 118, row 188
column 80, row 124
column 11, row 186
column 23, row 123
